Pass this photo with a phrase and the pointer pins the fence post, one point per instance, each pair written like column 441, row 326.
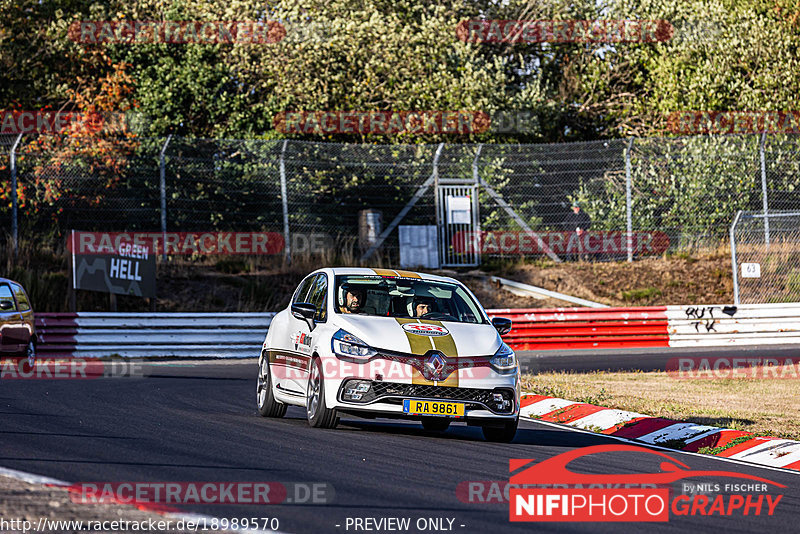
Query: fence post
column 733, row 259
column 14, row 209
column 285, row 201
column 764, row 187
column 163, row 186
column 476, row 235
column 628, row 201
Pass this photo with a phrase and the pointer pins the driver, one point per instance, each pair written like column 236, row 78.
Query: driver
column 423, row 305
column 353, row 301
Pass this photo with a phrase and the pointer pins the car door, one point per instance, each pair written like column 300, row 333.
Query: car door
column 291, row 353
column 14, row 333
column 318, row 296
column 25, row 310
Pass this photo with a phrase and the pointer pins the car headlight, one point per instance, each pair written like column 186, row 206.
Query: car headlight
column 504, row 360
column 350, row 346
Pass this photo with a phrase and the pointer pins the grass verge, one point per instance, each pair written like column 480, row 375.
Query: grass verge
column 765, row 407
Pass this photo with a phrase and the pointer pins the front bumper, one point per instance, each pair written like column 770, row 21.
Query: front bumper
column 386, row 398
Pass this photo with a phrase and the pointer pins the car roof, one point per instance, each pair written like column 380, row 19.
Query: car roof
column 393, row 273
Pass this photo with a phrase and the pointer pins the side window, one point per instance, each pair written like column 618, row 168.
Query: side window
column 302, row 290
column 318, row 297
column 6, row 296
column 22, row 298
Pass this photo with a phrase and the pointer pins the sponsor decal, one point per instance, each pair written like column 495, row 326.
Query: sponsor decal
column 302, row 342
column 430, row 330
column 549, row 491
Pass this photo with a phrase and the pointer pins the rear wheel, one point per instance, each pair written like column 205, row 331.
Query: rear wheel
column 501, row 434
column 267, row 405
column 319, row 415
column 435, row 424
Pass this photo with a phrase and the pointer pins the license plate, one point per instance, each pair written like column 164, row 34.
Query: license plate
column 425, row 407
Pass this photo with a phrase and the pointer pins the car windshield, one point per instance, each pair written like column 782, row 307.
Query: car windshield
column 407, row 298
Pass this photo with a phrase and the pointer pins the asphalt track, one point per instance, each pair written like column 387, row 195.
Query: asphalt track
column 186, row 422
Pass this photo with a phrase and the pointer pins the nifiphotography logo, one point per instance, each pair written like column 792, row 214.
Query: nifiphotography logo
column 572, row 496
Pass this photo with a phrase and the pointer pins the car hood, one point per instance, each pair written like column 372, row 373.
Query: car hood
column 388, row 333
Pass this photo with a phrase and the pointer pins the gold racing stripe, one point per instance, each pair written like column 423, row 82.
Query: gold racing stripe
column 408, row 274
column 385, row 272
column 422, row 344
column 447, row 346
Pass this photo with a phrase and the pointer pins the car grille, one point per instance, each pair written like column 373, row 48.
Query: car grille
column 394, row 393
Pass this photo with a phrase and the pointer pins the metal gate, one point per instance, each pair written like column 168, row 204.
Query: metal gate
column 458, row 223
column 764, row 254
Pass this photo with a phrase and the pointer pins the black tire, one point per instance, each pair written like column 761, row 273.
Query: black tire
column 435, row 424
column 501, row 434
column 265, row 400
column 319, row 415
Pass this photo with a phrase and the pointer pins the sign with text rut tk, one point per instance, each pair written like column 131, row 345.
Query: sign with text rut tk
column 122, row 267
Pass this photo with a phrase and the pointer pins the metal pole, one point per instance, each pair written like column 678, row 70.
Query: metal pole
column 285, row 202
column 628, row 201
column 14, row 226
column 163, row 186
column 476, row 225
column 764, row 188
column 733, row 259
column 441, row 221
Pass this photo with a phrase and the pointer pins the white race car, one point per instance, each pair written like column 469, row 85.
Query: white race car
column 388, row 343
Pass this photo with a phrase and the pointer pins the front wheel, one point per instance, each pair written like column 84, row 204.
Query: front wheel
column 267, row 405
column 501, row 434
column 319, row 415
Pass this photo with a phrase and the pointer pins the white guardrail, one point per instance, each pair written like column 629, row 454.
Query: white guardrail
column 137, row 335
column 721, row 325
column 239, row 335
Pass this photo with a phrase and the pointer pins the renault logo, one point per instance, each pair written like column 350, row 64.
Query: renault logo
column 436, row 364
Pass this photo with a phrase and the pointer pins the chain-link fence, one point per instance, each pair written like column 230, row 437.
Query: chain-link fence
column 614, row 199
column 766, row 255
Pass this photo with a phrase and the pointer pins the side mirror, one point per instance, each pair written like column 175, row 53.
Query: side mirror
column 502, row 324
column 305, row 311
column 6, row 305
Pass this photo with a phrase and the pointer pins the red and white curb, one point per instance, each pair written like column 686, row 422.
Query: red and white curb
column 678, row 435
column 168, row 512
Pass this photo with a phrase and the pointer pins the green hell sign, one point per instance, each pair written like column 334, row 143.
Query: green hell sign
column 122, row 267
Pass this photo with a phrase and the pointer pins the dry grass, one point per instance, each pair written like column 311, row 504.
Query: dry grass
column 761, row 406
